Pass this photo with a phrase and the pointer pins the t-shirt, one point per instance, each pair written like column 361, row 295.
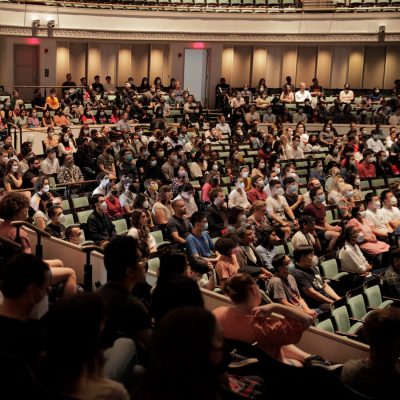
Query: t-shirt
column 199, row 245
column 281, row 289
column 277, row 206
column 180, row 225
column 302, row 239
column 126, row 313
column 377, row 219
column 226, row 267
column 317, row 212
column 391, row 214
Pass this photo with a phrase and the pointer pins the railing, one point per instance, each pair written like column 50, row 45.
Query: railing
column 231, row 6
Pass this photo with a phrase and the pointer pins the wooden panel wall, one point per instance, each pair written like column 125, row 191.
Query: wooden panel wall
column 306, row 64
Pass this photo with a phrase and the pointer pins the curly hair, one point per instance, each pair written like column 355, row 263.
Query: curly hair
column 11, row 204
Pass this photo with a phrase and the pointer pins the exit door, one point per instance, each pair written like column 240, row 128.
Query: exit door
column 26, row 69
column 195, row 73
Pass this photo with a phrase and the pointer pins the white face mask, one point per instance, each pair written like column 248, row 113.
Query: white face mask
column 14, row 168
column 279, row 191
column 61, row 218
column 103, row 206
column 393, row 201
column 277, row 170
column 377, row 205
column 104, row 183
column 46, row 188
column 146, row 204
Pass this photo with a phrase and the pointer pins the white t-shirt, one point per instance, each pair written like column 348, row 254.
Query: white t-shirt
column 302, row 239
column 391, row 214
column 300, row 97
column 277, row 206
column 377, row 219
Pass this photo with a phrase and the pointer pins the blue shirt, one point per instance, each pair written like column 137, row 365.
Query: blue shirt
column 199, row 245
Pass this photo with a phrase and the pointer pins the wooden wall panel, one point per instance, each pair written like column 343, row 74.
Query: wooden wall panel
column 356, row 66
column 140, row 62
column 374, row 66
column 77, row 57
column 340, row 66
column 62, row 62
column 274, row 66
column 124, row 64
column 241, row 68
column 108, row 64
column 324, row 65
column 392, row 67
column 289, row 63
column 259, row 65
column 94, row 61
column 156, row 61
column 227, row 63
column 306, row 64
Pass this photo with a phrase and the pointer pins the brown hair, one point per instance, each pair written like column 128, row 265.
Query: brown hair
column 237, row 287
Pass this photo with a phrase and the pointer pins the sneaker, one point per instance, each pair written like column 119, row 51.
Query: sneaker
column 238, row 361
column 317, row 361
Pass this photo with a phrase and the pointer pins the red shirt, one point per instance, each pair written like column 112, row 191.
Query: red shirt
column 114, row 208
column 317, row 212
column 255, row 194
column 366, row 170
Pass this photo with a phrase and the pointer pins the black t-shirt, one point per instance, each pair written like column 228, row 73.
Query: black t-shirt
column 180, row 225
column 126, row 314
column 24, row 340
column 27, row 178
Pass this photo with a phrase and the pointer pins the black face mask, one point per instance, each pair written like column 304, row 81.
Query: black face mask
column 114, row 192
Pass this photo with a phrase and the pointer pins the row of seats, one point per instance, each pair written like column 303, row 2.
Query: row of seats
column 346, row 316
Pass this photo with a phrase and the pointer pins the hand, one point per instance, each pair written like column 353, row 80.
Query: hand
column 300, row 198
column 295, row 222
column 337, row 229
column 311, row 313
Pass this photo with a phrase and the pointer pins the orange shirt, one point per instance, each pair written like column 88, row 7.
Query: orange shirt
column 52, row 102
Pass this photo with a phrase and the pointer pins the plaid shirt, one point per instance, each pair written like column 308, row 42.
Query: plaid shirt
column 72, row 175
column 391, row 281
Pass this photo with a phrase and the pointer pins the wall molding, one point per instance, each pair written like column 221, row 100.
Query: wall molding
column 211, row 37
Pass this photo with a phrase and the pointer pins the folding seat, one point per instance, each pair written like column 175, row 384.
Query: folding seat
column 121, row 226
column 236, row 3
column 83, row 216
column 341, row 318
column 248, row 3
column 69, row 218
column 356, row 303
column 274, row 3
column 159, row 238
column 372, row 292
column 153, row 264
column 80, row 202
column 324, row 322
column 329, row 270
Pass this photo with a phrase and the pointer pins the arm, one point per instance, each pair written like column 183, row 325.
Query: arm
column 311, row 292
column 160, row 217
column 331, row 292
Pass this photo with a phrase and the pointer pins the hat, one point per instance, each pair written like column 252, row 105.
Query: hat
column 50, row 149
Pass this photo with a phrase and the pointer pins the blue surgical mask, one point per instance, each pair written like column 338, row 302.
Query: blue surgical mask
column 321, row 198
column 291, row 268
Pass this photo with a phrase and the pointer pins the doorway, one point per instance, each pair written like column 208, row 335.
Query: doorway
column 26, row 69
column 195, row 73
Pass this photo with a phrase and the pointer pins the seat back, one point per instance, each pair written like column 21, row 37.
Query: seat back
column 341, row 317
column 79, row 202
column 153, row 264
column 357, row 306
column 121, row 226
column 83, row 216
column 158, row 236
column 329, row 268
column 325, row 325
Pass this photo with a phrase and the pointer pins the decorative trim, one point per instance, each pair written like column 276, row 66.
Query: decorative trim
column 208, row 37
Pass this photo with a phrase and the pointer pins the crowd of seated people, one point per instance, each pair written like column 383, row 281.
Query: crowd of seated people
column 226, row 195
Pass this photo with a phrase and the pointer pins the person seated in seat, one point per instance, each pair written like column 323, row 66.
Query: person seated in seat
column 55, row 227
column 178, row 226
column 14, row 207
column 99, row 227
column 391, row 277
column 282, row 287
column 227, row 264
column 251, row 322
column 377, row 376
column 314, row 289
column 68, row 172
column 374, row 214
column 217, row 213
column 350, row 255
column 25, row 282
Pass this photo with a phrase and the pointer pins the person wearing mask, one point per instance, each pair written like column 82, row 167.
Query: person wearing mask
column 84, row 159
column 178, row 226
column 56, row 226
column 100, row 229
column 168, row 168
column 374, row 143
column 3, row 162
column 259, row 168
column 257, row 192
column 314, row 289
column 66, row 144
column 294, row 152
column 217, row 213
column 346, row 96
column 317, row 171
column 282, row 287
column 366, row 168
column 74, row 234
column 12, row 176
column 279, row 210
column 350, row 255
column 187, row 195
column 114, row 207
column 292, row 196
column 140, row 230
column 391, row 277
column 50, row 164
column 317, row 210
column 68, row 172
column 374, row 214
column 237, row 197
column 198, row 242
column 390, row 211
column 383, row 166
column 244, row 174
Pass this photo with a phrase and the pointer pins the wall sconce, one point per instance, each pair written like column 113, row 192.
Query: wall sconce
column 51, row 24
column 35, row 23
